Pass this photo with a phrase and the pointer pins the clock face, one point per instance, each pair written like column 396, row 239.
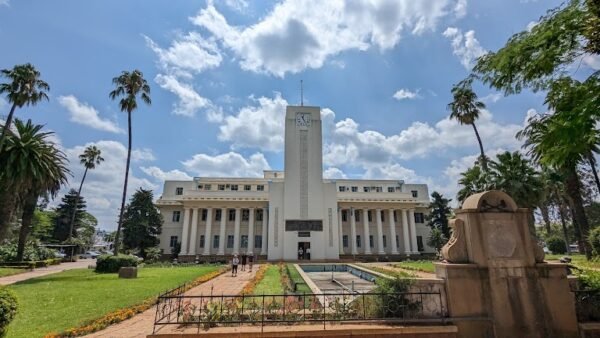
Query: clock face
column 303, row 119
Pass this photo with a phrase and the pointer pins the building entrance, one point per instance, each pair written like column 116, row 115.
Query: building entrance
column 303, row 250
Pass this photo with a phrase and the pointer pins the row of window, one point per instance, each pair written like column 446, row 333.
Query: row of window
column 216, row 239
column 223, row 187
column 231, row 215
column 414, row 193
column 419, row 216
column 372, row 242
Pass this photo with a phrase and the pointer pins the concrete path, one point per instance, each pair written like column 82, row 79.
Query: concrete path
column 141, row 325
column 80, row 264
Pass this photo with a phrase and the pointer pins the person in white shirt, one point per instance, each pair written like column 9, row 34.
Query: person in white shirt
column 234, row 265
column 300, row 253
column 308, row 253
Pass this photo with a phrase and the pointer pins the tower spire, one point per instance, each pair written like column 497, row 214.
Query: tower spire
column 301, row 92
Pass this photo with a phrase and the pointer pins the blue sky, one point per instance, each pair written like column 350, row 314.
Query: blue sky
column 222, row 72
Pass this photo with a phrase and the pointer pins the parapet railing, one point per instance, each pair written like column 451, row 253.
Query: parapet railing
column 284, row 309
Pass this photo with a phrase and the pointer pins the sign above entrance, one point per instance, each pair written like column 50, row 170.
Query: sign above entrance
column 303, row 225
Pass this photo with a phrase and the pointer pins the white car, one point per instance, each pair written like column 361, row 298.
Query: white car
column 59, row 254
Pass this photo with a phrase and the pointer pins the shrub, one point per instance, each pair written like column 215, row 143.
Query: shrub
column 33, row 252
column 594, row 239
column 153, row 254
column 112, row 264
column 8, row 309
column 556, row 245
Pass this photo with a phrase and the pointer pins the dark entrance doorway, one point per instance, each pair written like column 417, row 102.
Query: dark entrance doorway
column 303, row 250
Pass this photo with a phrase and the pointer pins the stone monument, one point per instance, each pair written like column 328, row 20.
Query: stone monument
column 497, row 283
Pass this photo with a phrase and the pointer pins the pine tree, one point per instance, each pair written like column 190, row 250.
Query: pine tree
column 142, row 222
column 438, row 213
column 64, row 211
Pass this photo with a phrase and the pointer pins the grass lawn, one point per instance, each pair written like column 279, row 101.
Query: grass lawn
column 389, row 272
column 60, row 301
column 425, row 266
column 577, row 260
column 271, row 282
column 296, row 278
column 4, row 272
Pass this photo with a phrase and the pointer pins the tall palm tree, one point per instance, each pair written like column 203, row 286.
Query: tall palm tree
column 128, row 85
column 24, row 88
column 555, row 195
column 90, row 158
column 465, row 108
column 473, row 180
column 33, row 166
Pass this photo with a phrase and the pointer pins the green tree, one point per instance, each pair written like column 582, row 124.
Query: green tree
column 32, row 166
column 513, row 174
column 439, row 211
column 472, row 181
column 128, row 85
column 436, row 239
column 70, row 204
column 142, row 222
column 465, row 108
column 42, row 224
column 24, row 88
column 90, row 158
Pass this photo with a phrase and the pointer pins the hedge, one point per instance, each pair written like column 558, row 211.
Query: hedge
column 8, row 309
column 112, row 264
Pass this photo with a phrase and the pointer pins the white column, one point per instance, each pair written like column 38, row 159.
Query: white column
column 265, row 223
column 394, row 250
column 207, row 232
column 353, row 232
column 222, row 238
column 367, row 242
column 405, row 232
column 413, row 231
column 340, row 232
column 379, row 233
column 185, row 231
column 194, row 232
column 250, row 248
column 236, row 231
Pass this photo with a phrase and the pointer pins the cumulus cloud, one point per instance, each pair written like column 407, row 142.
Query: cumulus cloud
column 5, row 3
column 238, row 5
column 460, row 9
column 465, row 46
column 297, row 35
column 84, row 114
column 229, row 164
column 189, row 100
column 406, row 94
column 592, row 61
column 161, row 176
column 333, row 173
column 491, row 98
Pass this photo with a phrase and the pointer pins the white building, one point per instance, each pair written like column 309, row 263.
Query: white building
column 284, row 211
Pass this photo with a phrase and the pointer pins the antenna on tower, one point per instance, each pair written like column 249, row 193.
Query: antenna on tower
column 301, row 93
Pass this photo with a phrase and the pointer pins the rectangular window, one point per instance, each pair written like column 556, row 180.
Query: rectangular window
column 395, row 216
column 218, row 214
column 414, row 193
column 257, row 241
column 260, row 187
column 382, row 215
column 173, row 241
column 419, row 217
column 244, row 243
column 354, row 189
column 357, row 215
column 371, row 242
column 342, row 189
column 259, row 215
column 230, row 242
column 358, row 241
column 204, row 213
column 345, row 241
column 245, row 215
column 201, row 241
column 366, row 189
column 215, row 241
column 420, row 246
column 384, row 241
column 234, row 187
column 379, row 189
column 247, row 187
column 231, row 214
column 207, row 187
column 221, row 187
column 176, row 216
column 391, row 189
column 344, row 215
column 369, row 215
column 179, row 191
column 200, row 186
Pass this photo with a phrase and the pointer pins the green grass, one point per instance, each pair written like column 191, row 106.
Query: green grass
column 578, row 260
column 389, row 272
column 60, row 301
column 4, row 272
column 271, row 282
column 296, row 278
column 425, row 266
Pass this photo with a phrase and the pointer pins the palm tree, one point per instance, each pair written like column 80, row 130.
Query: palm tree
column 129, row 86
column 555, row 195
column 24, row 88
column 466, row 109
column 473, row 180
column 90, row 158
column 33, row 166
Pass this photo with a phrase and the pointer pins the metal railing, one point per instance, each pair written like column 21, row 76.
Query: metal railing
column 227, row 310
column 587, row 305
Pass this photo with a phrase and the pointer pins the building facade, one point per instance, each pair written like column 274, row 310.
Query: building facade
column 288, row 214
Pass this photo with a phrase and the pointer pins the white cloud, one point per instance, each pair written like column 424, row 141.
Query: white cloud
column 491, row 98
column 297, row 35
column 460, row 9
column 161, row 176
column 393, row 171
column 142, row 155
column 334, row 173
column 592, row 61
column 5, row 3
column 406, row 94
column 82, row 113
column 465, row 46
column 229, row 164
column 238, row 5
column 189, row 100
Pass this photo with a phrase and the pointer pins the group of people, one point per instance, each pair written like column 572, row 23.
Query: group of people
column 303, row 254
column 246, row 260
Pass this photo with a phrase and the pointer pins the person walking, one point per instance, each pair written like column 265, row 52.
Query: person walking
column 308, row 253
column 250, row 262
column 234, row 265
column 244, row 261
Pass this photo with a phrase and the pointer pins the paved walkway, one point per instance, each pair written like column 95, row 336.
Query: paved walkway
column 80, row 264
column 141, row 325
